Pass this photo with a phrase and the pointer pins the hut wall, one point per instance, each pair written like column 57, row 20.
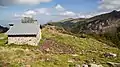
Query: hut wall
column 38, row 36
column 23, row 40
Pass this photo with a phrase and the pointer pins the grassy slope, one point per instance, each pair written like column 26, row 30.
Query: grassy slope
column 86, row 48
column 3, row 38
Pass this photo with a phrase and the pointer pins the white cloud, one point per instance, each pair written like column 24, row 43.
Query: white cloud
column 17, row 15
column 30, row 12
column 109, row 4
column 59, row 7
column 68, row 13
column 47, row 14
column 10, row 2
column 31, row 1
column 45, row 11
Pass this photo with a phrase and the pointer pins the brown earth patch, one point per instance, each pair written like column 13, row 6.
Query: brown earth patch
column 51, row 46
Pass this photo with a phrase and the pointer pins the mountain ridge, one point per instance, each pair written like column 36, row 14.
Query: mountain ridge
column 105, row 26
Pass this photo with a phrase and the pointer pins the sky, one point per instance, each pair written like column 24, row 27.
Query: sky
column 11, row 11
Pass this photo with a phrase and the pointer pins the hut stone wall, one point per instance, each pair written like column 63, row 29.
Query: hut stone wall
column 34, row 41
column 23, row 40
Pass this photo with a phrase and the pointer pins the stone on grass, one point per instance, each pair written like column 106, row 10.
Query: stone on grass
column 77, row 65
column 70, row 60
column 84, row 65
column 95, row 65
column 110, row 55
column 75, row 55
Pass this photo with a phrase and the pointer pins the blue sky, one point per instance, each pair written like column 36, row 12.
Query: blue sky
column 46, row 10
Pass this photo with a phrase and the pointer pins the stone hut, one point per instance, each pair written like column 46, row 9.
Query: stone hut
column 24, row 33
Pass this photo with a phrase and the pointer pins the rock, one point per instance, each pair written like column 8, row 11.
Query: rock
column 77, row 65
column 47, row 49
column 110, row 55
column 112, row 64
column 27, row 66
column 75, row 55
column 27, row 50
column 95, row 65
column 70, row 60
column 83, row 36
column 100, row 65
column 84, row 65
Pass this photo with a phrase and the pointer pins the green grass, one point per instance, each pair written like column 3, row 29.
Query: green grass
column 3, row 38
column 86, row 49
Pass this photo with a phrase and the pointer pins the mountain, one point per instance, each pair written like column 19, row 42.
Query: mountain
column 105, row 27
column 3, row 29
column 99, row 24
column 104, row 23
column 67, row 24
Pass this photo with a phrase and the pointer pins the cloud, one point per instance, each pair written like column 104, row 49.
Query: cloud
column 45, row 11
column 30, row 2
column 57, row 11
column 46, row 14
column 59, row 7
column 68, row 13
column 30, row 12
column 3, row 7
column 109, row 5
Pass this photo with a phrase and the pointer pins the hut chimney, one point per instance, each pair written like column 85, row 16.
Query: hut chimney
column 11, row 24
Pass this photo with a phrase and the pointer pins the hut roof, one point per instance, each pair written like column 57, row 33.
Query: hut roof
column 24, row 29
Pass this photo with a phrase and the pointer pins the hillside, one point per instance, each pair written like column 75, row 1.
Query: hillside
column 58, row 49
column 98, row 24
column 102, row 27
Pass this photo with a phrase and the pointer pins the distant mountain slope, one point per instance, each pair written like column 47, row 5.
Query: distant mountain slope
column 106, row 26
column 99, row 24
column 3, row 29
column 102, row 23
column 67, row 24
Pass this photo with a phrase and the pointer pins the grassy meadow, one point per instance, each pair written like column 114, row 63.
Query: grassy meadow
column 56, row 50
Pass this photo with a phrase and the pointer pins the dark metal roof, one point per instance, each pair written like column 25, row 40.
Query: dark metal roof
column 24, row 29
